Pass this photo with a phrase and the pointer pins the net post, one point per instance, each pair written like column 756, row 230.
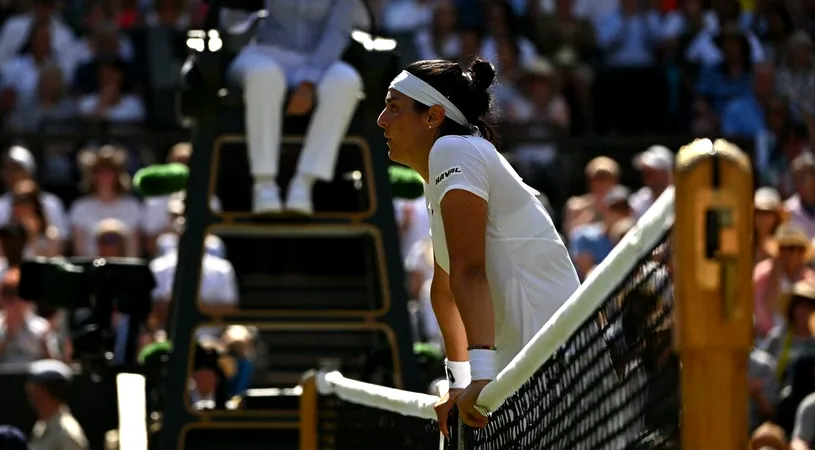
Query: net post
column 308, row 411
column 712, row 244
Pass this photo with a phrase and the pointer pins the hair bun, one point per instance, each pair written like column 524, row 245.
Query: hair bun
column 483, row 74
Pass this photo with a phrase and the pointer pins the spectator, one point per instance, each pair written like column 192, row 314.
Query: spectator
column 297, row 48
column 731, row 78
column 803, row 435
column 156, row 217
column 43, row 13
column 412, row 221
column 769, row 214
column 764, row 387
column 107, row 184
column 13, row 239
column 27, row 209
column 751, row 113
column 796, row 76
column 626, row 38
column 19, row 165
column 802, row 205
column 591, row 243
column 795, row 334
column 48, row 388
column 51, row 103
column 656, row 166
column 408, row 16
column 602, row 174
column 19, row 77
column 502, row 25
column 769, row 436
column 113, row 102
column 790, row 250
column 440, row 40
column 539, row 101
column 24, row 336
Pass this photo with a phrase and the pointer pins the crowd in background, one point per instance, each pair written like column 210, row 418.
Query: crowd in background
column 742, row 69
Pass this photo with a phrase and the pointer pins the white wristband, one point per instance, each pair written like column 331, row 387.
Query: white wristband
column 458, row 373
column 482, row 364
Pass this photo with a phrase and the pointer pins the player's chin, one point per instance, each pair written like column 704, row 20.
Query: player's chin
column 394, row 154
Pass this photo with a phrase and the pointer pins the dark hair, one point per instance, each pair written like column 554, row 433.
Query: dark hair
column 468, row 89
column 32, row 35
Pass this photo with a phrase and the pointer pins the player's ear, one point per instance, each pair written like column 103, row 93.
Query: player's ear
column 435, row 116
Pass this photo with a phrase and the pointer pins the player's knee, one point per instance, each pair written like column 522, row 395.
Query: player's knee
column 265, row 81
column 341, row 78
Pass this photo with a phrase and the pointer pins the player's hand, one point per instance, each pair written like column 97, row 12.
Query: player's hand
column 443, row 408
column 466, row 405
column 301, row 101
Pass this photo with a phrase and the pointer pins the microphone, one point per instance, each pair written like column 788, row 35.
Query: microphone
column 161, row 179
column 406, row 183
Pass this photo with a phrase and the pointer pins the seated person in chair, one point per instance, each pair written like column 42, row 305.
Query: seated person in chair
column 297, row 48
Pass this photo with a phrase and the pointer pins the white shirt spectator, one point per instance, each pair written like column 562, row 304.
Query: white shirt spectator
column 155, row 217
column 52, row 206
column 627, row 41
column 703, row 48
column 415, row 215
column 449, row 49
column 88, row 211
column 22, row 75
column 219, row 286
column 129, row 108
column 404, row 16
column 16, row 29
column 30, row 344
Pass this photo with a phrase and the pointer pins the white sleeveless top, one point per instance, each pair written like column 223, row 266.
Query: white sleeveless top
column 529, row 269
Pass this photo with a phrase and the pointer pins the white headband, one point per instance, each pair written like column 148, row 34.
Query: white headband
column 415, row 88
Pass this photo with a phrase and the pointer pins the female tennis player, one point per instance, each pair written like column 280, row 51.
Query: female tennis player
column 501, row 269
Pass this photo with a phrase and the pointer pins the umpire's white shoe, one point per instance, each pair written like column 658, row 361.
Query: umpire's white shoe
column 267, row 198
column 298, row 200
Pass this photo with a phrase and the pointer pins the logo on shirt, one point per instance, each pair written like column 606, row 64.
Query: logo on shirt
column 447, row 174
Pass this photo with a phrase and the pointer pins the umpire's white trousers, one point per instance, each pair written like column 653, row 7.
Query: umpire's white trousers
column 264, row 72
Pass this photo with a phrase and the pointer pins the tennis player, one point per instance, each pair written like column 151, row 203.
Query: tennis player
column 501, row 270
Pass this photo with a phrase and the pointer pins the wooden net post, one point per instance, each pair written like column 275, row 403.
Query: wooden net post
column 713, row 316
column 308, row 412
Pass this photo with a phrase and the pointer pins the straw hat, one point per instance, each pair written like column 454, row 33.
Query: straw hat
column 789, row 235
column 108, row 156
column 769, row 200
column 802, row 289
column 602, row 164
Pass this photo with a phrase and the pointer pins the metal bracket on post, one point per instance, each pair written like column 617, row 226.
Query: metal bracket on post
column 712, row 240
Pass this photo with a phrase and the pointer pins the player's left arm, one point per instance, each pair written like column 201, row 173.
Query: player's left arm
column 461, row 182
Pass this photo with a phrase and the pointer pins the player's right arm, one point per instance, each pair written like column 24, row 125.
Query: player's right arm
column 455, row 343
column 450, row 323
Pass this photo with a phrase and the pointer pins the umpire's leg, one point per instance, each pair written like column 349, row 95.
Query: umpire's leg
column 264, row 86
column 338, row 93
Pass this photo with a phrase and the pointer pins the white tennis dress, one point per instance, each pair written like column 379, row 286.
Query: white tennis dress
column 528, row 268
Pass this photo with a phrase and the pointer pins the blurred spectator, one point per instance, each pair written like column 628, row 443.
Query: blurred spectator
column 48, row 388
column 406, row 16
column 113, row 102
column 802, row 205
column 24, row 336
column 156, row 217
column 27, row 209
column 769, row 436
column 439, row 40
column 51, row 103
column 602, row 174
column 19, row 165
column 796, row 76
column 790, row 250
column 764, row 387
column 412, row 221
column 17, row 30
column 503, row 25
column 731, row 78
column 803, row 435
column 240, row 343
column 107, row 184
column 591, row 243
column 297, row 48
column 794, row 335
column 19, row 76
column 12, row 438
column 625, row 36
column 656, row 166
column 753, row 112
column 13, row 240
column 538, row 100
column 769, row 214
column 419, row 266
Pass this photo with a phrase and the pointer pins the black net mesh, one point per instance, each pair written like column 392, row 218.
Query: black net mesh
column 613, row 384
column 346, row 426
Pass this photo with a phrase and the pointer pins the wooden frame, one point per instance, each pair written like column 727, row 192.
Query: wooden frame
column 310, row 230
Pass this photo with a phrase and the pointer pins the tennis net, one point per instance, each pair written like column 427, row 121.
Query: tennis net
column 601, row 374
